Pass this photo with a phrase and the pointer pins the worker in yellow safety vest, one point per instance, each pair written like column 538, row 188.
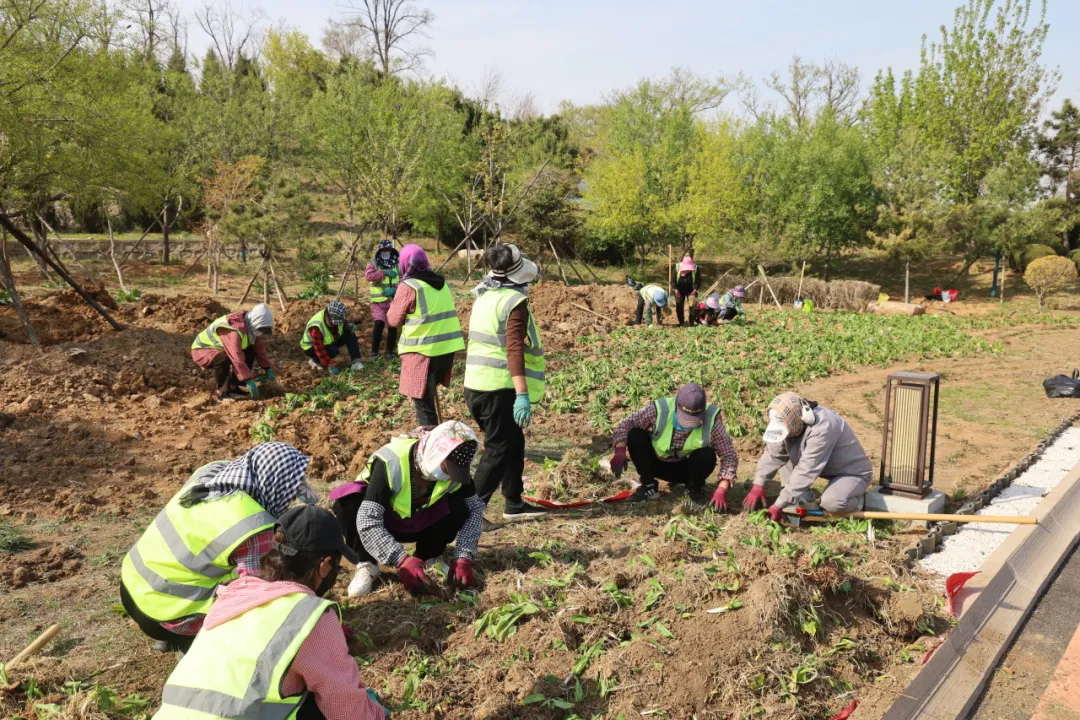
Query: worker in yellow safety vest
column 504, row 375
column 273, row 647
column 423, row 308
column 230, row 346
column 383, row 275
column 324, row 335
column 215, row 529
column 417, row 488
column 678, row 439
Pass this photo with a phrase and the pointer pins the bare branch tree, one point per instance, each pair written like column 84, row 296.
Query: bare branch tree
column 348, row 40
column 490, row 89
column 391, row 27
column 840, row 89
column 523, row 107
column 803, row 90
column 150, row 19
column 230, row 32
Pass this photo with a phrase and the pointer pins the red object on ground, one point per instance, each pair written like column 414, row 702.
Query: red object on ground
column 846, row 713
column 954, row 585
column 930, row 651
column 624, row 495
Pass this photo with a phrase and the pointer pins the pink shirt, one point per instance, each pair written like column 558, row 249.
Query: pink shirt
column 414, row 366
column 322, row 666
column 234, row 348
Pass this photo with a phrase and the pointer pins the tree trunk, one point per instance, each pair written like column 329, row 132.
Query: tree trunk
column 907, row 281
column 13, row 293
column 43, row 243
column 166, row 220
column 828, row 262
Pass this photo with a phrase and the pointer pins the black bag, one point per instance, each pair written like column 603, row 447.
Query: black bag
column 1063, row 386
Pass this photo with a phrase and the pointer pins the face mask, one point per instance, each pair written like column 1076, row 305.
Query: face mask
column 438, row 474
column 777, row 432
column 385, row 255
column 328, row 583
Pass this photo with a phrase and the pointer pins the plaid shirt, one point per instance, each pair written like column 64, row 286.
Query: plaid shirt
column 317, row 344
column 645, row 419
column 248, row 559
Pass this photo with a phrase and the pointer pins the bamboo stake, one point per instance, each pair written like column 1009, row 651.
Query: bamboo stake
column 670, row 269
column 931, row 517
column 348, row 269
column 713, row 286
column 558, row 262
column 157, row 221
column 766, row 279
column 193, row 263
column 574, row 269
column 29, row 244
column 63, row 246
column 266, row 287
column 112, row 256
column 586, row 266
column 251, row 284
column 278, row 289
column 593, row 312
column 13, row 293
column 35, row 647
column 798, row 295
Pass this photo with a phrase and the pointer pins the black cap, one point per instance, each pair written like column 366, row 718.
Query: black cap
column 312, row 529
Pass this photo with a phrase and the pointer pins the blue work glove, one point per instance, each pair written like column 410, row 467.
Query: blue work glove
column 253, row 389
column 270, row 375
column 378, row 701
column 522, row 410
column 335, row 370
column 389, row 292
column 352, row 328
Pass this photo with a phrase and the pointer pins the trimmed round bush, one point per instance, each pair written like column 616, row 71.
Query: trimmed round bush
column 1031, row 253
column 1050, row 274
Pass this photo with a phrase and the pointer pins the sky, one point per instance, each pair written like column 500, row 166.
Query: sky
column 583, row 50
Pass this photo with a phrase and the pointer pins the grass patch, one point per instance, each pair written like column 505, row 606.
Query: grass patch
column 13, row 539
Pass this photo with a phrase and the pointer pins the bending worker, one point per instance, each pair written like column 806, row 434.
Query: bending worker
column 272, row 647
column 679, row 440
column 803, row 442
column 686, row 286
column 706, row 313
column 231, row 345
column 415, row 489
column 324, row 335
column 504, row 375
column 382, row 273
column 650, row 297
column 216, row 528
column 423, row 308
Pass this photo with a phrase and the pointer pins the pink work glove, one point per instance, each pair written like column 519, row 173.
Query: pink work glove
column 413, row 577
column 693, row 294
column 755, row 496
column 618, row 461
column 776, row 513
column 461, row 573
column 719, row 499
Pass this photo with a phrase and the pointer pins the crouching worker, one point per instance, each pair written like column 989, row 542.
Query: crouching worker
column 215, row 529
column 730, row 305
column 272, row 647
column 231, row 345
column 324, row 335
column 803, row 442
column 416, row 490
column 679, row 440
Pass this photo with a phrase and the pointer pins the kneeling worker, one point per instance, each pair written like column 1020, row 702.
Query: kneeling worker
column 272, row 647
column 731, row 305
column 324, row 335
column 803, row 442
column 415, row 489
column 679, row 440
column 230, row 346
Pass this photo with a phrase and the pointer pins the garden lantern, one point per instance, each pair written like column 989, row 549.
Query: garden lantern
column 909, row 434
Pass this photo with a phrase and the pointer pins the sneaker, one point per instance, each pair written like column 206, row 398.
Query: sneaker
column 645, row 493
column 357, row 366
column 522, row 510
column 363, row 580
column 163, row 646
column 698, row 496
column 314, row 365
column 231, row 397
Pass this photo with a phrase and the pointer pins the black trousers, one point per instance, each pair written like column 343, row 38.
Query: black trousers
column 503, row 460
column 425, row 406
column 430, row 542
column 728, row 313
column 309, row 710
column 150, row 627
column 692, row 471
column 333, row 349
column 376, row 338
column 680, row 303
column 225, row 375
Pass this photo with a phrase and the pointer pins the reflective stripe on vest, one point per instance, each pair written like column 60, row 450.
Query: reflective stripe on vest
column 486, row 366
column 432, row 328
column 208, row 339
column 319, row 321
column 649, row 292
column 698, row 438
column 177, row 564
column 397, row 457
column 235, row 670
column 375, row 290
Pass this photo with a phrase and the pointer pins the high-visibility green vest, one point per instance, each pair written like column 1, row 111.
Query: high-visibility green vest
column 396, row 456
column 486, row 367
column 174, row 568
column 432, row 328
column 649, row 293
column 235, row 670
column 390, row 279
column 319, row 321
column 700, row 437
column 208, row 339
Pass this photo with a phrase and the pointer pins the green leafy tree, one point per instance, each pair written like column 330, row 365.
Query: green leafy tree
column 1060, row 147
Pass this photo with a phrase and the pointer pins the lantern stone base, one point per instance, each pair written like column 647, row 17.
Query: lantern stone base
column 884, row 502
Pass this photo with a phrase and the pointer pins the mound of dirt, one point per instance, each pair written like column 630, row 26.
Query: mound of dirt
column 300, row 311
column 58, row 317
column 187, row 315
column 47, row 564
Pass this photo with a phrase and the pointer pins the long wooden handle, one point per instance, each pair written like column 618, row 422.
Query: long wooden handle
column 593, row 312
column 942, row 517
column 32, row 649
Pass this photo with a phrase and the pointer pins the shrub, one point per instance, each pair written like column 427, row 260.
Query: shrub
column 1050, row 274
column 1074, row 255
column 1030, row 254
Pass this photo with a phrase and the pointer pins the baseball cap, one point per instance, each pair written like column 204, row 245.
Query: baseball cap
column 312, row 529
column 690, row 405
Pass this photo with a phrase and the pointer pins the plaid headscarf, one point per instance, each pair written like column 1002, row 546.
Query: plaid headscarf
column 789, row 407
column 273, row 474
column 337, row 312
